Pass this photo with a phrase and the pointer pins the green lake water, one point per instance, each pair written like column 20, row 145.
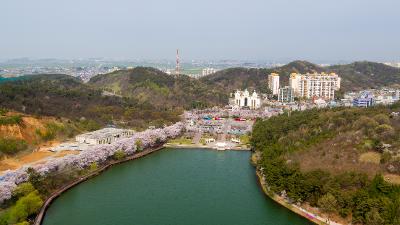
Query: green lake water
column 173, row 187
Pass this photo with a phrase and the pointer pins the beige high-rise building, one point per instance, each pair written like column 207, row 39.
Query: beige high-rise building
column 321, row 85
column 273, row 83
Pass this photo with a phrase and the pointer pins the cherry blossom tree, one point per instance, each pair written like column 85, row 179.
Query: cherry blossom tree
column 95, row 154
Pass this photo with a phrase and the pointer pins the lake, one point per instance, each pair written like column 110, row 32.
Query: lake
column 173, row 187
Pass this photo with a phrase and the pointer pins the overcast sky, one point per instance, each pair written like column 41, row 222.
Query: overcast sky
column 202, row 29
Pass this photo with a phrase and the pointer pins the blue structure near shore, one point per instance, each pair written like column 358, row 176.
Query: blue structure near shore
column 366, row 99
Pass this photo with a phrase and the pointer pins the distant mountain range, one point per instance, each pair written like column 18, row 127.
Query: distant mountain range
column 355, row 76
column 147, row 94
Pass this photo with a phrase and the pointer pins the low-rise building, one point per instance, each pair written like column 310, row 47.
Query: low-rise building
column 366, row 99
column 104, row 136
column 384, row 100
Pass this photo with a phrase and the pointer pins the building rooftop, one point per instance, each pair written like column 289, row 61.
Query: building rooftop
column 103, row 133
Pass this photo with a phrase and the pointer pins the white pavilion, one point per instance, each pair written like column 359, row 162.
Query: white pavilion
column 243, row 99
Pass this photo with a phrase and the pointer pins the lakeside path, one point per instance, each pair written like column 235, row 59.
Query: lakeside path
column 39, row 218
column 294, row 208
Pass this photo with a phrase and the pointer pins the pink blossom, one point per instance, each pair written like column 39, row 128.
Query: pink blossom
column 98, row 154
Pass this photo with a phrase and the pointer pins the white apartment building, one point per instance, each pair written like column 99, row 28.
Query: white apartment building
column 208, row 71
column 273, row 83
column 310, row 85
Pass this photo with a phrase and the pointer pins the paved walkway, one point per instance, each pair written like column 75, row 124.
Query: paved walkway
column 196, row 138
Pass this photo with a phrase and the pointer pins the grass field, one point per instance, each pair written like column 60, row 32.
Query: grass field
column 181, row 141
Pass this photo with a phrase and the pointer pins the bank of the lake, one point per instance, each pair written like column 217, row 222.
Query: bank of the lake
column 173, row 187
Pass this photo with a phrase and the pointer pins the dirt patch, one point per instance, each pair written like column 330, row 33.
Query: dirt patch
column 8, row 164
column 370, row 157
column 392, row 178
column 17, row 162
column 34, row 156
column 47, row 145
column 66, row 152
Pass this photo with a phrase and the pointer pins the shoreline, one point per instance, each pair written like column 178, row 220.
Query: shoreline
column 39, row 218
column 283, row 203
column 296, row 209
column 193, row 146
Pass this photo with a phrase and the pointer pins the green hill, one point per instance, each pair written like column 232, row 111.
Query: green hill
column 151, row 86
column 66, row 96
column 361, row 75
column 339, row 160
column 233, row 79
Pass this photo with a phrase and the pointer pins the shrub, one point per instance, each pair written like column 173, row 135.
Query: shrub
column 3, row 111
column 10, row 120
column 374, row 218
column 382, row 119
column 385, row 158
column 365, row 123
column 328, row 203
column 51, row 131
column 11, row 146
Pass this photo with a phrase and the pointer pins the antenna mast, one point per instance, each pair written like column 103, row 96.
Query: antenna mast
column 178, row 66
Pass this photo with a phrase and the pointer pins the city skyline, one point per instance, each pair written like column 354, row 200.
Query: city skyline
column 252, row 30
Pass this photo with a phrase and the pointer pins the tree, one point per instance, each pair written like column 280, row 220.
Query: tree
column 35, row 179
column 385, row 131
column 118, row 155
column 366, row 124
column 93, row 166
column 23, row 189
column 139, row 145
column 374, row 218
column 25, row 206
column 328, row 203
column 382, row 119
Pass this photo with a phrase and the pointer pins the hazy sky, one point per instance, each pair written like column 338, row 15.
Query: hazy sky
column 203, row 29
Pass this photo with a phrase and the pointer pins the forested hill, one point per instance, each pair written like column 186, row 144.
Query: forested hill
column 66, row 96
column 149, row 85
column 359, row 75
column 355, row 76
column 142, row 90
column 344, row 161
column 238, row 79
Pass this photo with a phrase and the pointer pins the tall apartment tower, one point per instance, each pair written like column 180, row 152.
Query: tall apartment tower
column 273, row 83
column 321, row 85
